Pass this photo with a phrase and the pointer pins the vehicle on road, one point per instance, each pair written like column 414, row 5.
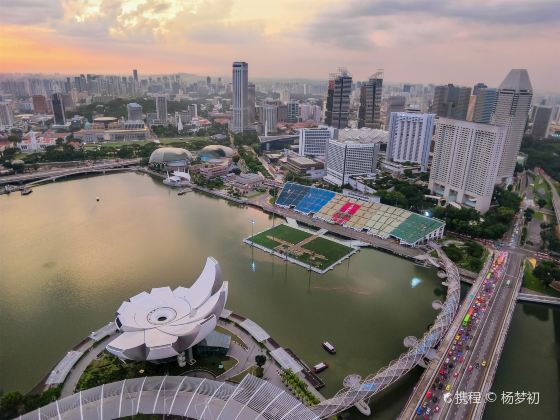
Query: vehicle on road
column 483, row 363
column 448, row 387
column 470, row 368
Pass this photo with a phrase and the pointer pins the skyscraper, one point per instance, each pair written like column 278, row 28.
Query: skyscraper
column 451, row 101
column 485, row 105
column 410, row 137
column 40, row 104
column 58, row 109
column 466, row 161
column 477, row 87
column 251, row 92
column 6, row 115
column 394, row 104
column 338, row 99
column 541, row 121
column 240, row 77
column 134, row 111
column 512, row 109
column 161, row 108
column 135, row 75
column 369, row 113
column 293, row 111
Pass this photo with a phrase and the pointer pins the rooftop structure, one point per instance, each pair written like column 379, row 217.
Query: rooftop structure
column 215, row 151
column 170, row 158
column 164, row 323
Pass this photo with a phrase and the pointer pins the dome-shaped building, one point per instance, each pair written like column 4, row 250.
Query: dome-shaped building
column 170, row 159
column 215, row 151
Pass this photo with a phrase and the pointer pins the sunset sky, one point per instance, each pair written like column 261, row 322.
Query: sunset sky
column 437, row 41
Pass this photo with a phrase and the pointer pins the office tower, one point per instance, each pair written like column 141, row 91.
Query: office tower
column 208, row 81
column 477, row 88
column 40, row 104
column 451, row 101
column 338, row 99
column 350, row 156
column 161, row 108
column 240, row 77
column 313, row 141
column 135, row 75
column 407, row 88
column 58, row 109
column 466, row 160
column 268, row 118
column 410, row 137
column 251, row 92
column 310, row 112
column 6, row 115
column 512, row 109
column 285, row 96
column 292, row 111
column 134, row 112
column 485, row 105
column 541, row 121
column 394, row 104
column 369, row 113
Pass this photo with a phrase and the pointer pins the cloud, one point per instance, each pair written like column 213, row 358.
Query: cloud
column 495, row 11
column 27, row 12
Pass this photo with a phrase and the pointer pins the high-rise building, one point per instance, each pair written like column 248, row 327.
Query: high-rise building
column 40, row 104
column 285, row 95
column 485, row 105
column 268, row 117
column 6, row 115
column 512, row 109
column 369, row 113
column 135, row 75
column 394, row 104
column 451, row 101
column 477, row 87
column 161, row 108
column 251, row 93
column 410, row 137
column 350, row 154
column 208, row 81
column 541, row 121
column 338, row 99
column 240, row 77
column 293, row 111
column 134, row 112
column 313, row 141
column 58, row 109
column 310, row 112
column 466, row 160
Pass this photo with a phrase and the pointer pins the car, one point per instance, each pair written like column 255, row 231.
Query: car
column 428, row 395
column 447, row 360
column 442, row 371
column 448, row 387
column 483, row 363
column 419, row 411
column 470, row 368
column 450, row 365
column 436, row 409
column 440, row 386
column 461, row 359
column 435, row 399
column 455, row 374
column 477, row 365
column 427, row 411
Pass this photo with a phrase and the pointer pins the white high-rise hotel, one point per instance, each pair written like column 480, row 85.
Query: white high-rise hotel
column 512, row 109
column 466, row 160
column 240, row 104
column 410, row 136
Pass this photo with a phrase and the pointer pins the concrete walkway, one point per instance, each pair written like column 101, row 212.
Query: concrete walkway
column 74, row 376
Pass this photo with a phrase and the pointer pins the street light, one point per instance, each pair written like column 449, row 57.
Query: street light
column 252, row 221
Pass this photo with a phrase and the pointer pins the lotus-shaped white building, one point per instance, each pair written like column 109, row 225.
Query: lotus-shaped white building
column 164, row 323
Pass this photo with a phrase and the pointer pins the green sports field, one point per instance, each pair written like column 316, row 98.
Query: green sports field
column 325, row 252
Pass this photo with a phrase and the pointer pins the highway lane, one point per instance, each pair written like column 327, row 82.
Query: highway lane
column 485, row 343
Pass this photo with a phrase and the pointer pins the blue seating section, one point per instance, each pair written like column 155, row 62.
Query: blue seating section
column 291, row 194
column 314, row 200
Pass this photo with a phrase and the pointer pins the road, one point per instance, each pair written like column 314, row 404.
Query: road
column 485, row 345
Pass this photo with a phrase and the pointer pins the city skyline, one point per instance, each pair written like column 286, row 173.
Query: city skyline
column 452, row 41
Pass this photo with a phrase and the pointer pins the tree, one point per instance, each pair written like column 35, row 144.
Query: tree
column 12, row 138
column 541, row 202
column 260, row 360
column 12, row 404
column 547, row 272
column 59, row 141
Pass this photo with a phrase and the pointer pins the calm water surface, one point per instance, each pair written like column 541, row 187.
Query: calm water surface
column 67, row 262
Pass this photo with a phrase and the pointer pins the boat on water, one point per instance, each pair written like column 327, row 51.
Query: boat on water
column 182, row 191
column 26, row 191
column 328, row 347
column 319, row 367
